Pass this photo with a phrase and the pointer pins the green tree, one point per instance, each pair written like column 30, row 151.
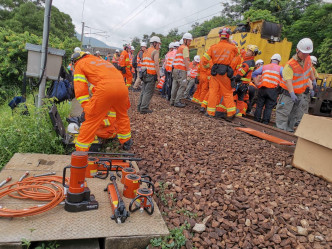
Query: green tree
column 255, row 15
column 316, row 23
column 325, row 56
column 204, row 28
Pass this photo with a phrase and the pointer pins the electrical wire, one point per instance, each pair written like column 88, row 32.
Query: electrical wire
column 44, row 188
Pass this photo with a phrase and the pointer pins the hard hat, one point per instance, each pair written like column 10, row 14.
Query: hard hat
column 77, row 49
column 181, row 42
column 87, row 52
column 97, row 52
column 126, row 46
column 313, row 59
column 77, row 56
column 176, row 44
column 155, row 39
column 132, row 48
column 171, row 45
column 143, row 44
column 305, row 46
column 260, row 61
column 197, row 58
column 254, row 49
column 276, row 57
column 73, row 128
column 117, row 51
column 187, row 36
column 225, row 33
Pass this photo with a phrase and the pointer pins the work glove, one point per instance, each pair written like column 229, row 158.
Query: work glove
column 237, row 78
column 312, row 93
column 294, row 97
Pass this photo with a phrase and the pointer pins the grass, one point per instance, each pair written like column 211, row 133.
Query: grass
column 31, row 133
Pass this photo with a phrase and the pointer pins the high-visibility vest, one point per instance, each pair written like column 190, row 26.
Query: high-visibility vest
column 161, row 82
column 139, row 60
column 148, row 62
column 170, row 58
column 193, row 70
column 270, row 76
column 246, row 78
column 179, row 60
column 301, row 75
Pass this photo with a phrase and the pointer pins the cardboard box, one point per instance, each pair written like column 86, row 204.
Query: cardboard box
column 313, row 152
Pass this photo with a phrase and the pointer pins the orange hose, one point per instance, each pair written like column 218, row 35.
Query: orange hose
column 44, row 188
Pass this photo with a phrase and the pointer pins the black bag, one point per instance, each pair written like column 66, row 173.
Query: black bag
column 218, row 69
column 135, row 62
column 122, row 69
column 230, row 72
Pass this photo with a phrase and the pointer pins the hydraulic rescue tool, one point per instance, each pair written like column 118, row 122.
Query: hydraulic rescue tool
column 126, row 171
column 143, row 201
column 8, row 179
column 132, row 183
column 78, row 195
column 46, row 174
column 97, row 164
column 118, row 206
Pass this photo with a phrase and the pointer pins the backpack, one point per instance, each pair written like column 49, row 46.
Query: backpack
column 62, row 90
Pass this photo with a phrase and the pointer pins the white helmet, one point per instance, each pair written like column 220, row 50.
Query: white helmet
column 155, row 39
column 313, row 59
column 305, row 46
column 87, row 52
column 181, row 42
column 132, row 48
column 77, row 50
column 171, row 45
column 276, row 57
column 176, row 44
column 260, row 61
column 97, row 52
column 117, row 51
column 197, row 58
column 143, row 44
column 73, row 128
column 187, row 36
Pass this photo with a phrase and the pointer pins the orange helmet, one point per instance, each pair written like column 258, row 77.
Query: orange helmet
column 225, row 33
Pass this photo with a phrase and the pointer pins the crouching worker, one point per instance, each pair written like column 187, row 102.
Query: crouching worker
column 110, row 93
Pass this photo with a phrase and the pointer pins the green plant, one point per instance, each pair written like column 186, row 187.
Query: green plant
column 48, row 245
column 31, row 133
column 175, row 239
column 26, row 243
column 187, row 213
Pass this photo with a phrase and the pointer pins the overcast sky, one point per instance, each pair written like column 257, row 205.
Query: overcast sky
column 124, row 19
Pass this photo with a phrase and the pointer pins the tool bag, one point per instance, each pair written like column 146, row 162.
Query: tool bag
column 61, row 90
column 222, row 70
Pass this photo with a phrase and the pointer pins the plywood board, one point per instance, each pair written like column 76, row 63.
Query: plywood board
column 57, row 224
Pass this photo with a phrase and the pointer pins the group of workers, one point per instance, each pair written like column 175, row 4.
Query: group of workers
column 226, row 81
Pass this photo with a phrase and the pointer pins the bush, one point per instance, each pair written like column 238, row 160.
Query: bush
column 31, row 133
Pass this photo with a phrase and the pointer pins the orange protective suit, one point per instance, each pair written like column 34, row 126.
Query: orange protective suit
column 109, row 95
column 124, row 61
column 220, row 85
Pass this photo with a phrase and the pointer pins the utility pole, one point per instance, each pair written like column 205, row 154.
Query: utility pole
column 47, row 16
column 82, row 35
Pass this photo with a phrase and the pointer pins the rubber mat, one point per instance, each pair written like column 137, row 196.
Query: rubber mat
column 265, row 136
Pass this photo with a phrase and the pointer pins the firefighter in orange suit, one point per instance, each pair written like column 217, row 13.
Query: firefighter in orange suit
column 222, row 55
column 243, row 78
column 124, row 64
column 109, row 93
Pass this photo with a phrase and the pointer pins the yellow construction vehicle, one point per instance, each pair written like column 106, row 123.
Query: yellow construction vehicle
column 266, row 35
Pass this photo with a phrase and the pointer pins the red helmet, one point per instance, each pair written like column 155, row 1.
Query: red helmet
column 225, row 32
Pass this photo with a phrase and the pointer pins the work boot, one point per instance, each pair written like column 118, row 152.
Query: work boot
column 180, row 105
column 127, row 145
column 202, row 109
column 172, row 104
column 146, row 111
column 220, row 114
column 229, row 118
column 208, row 115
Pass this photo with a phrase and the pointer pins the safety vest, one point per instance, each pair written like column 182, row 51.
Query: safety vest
column 115, row 58
column 301, row 75
column 170, row 58
column 139, row 60
column 246, row 78
column 179, row 60
column 161, row 82
column 270, row 76
column 148, row 62
column 193, row 70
